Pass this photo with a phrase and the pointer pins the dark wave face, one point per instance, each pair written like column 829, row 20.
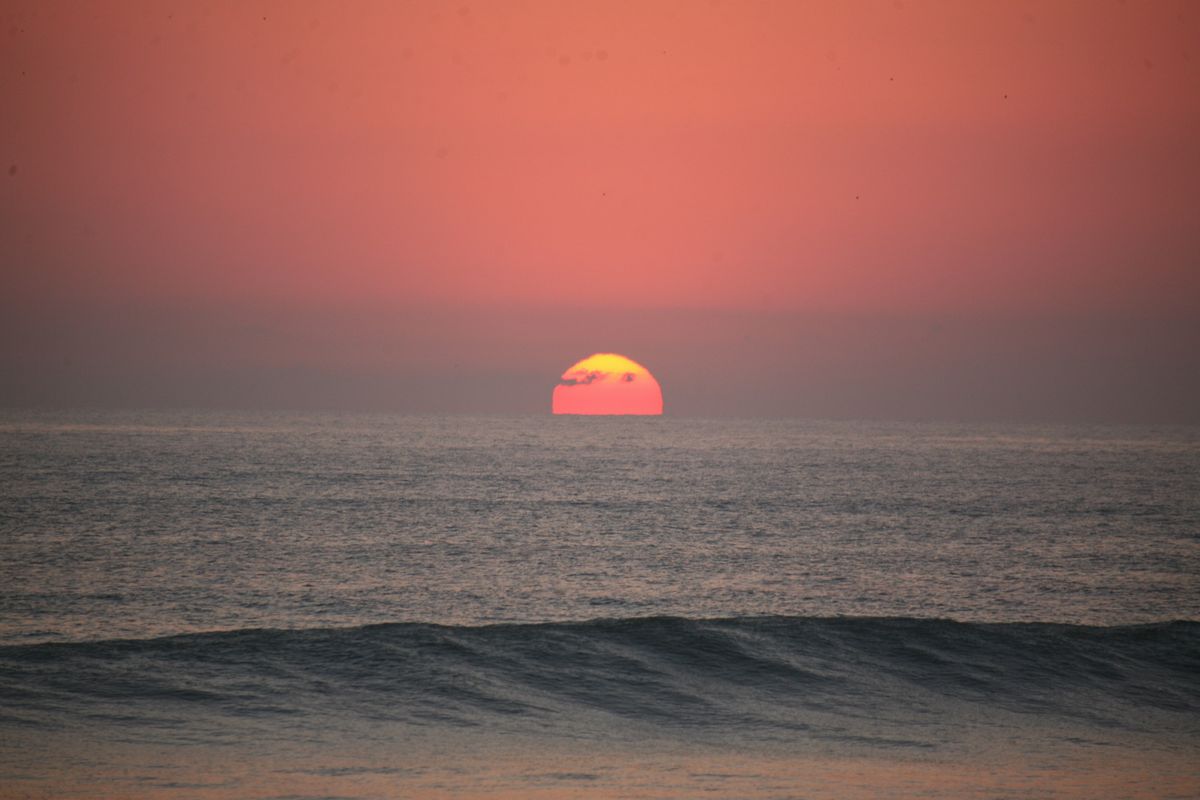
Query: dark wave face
column 860, row 682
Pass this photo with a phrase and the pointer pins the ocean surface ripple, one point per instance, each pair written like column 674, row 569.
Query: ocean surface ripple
column 229, row 605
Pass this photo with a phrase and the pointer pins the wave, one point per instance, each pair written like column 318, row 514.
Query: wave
column 890, row 681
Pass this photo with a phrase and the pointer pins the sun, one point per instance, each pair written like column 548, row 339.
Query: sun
column 606, row 383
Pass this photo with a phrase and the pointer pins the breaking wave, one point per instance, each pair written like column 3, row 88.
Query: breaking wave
column 757, row 677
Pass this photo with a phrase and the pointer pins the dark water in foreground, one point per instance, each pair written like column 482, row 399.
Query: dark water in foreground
column 207, row 605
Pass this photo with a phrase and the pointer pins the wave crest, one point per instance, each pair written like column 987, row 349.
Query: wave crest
column 763, row 676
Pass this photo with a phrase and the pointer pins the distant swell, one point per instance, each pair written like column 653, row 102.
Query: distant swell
column 764, row 677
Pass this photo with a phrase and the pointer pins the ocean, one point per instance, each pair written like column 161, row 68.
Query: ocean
column 271, row 605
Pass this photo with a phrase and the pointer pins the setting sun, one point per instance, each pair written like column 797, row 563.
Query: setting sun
column 607, row 383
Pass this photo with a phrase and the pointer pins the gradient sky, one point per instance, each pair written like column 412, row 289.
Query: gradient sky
column 889, row 209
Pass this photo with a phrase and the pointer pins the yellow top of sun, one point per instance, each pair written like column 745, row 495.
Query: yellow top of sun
column 607, row 363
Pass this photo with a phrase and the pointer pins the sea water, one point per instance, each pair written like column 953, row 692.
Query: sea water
column 201, row 604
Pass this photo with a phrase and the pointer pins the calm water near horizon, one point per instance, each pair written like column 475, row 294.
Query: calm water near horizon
column 203, row 604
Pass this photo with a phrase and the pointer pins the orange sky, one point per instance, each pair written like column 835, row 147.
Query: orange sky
column 885, row 159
